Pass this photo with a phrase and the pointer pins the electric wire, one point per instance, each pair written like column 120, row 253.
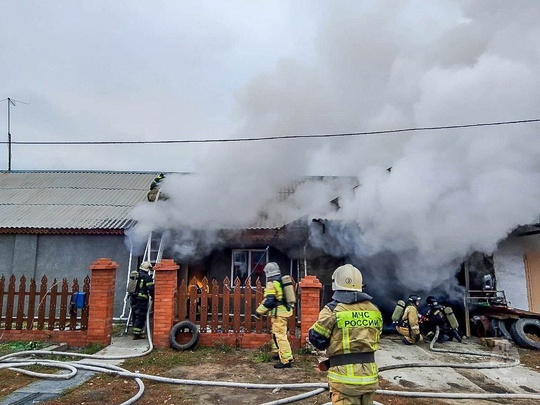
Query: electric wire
column 280, row 137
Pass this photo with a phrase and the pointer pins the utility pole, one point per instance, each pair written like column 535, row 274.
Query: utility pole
column 10, row 102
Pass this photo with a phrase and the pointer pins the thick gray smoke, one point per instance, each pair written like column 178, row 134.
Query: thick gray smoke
column 387, row 65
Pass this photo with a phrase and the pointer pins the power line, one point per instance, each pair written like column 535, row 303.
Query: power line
column 283, row 137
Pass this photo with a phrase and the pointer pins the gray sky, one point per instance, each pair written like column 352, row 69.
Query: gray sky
column 162, row 70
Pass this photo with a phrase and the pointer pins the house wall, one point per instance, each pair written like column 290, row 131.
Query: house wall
column 510, row 268
column 63, row 256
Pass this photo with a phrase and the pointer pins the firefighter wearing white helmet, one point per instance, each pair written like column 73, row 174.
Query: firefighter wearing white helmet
column 349, row 328
column 408, row 326
column 274, row 303
column 139, row 299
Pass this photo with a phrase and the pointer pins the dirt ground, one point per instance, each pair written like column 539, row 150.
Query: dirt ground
column 211, row 364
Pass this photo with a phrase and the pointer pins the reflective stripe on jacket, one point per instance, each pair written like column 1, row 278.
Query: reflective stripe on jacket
column 145, row 286
column 273, row 300
column 351, row 328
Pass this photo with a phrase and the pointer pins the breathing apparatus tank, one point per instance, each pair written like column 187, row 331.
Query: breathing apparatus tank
column 398, row 311
column 452, row 320
column 288, row 290
column 132, row 282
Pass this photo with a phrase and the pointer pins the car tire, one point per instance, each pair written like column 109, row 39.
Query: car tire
column 181, row 327
column 504, row 328
column 520, row 329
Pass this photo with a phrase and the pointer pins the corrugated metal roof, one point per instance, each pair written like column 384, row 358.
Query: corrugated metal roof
column 70, row 199
column 91, row 200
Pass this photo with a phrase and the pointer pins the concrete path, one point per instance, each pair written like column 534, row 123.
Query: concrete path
column 518, row 379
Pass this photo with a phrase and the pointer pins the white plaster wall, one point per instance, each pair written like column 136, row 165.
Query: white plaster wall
column 510, row 268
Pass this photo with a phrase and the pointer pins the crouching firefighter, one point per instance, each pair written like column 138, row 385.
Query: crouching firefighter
column 275, row 303
column 444, row 318
column 139, row 297
column 408, row 325
column 349, row 328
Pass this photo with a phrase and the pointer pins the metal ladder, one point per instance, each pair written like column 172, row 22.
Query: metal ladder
column 153, row 253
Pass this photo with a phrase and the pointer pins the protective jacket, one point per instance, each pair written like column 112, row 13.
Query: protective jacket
column 145, row 287
column 349, row 328
column 273, row 300
column 409, row 326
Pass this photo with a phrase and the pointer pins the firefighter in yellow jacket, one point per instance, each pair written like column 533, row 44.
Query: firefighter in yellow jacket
column 409, row 327
column 275, row 304
column 349, row 328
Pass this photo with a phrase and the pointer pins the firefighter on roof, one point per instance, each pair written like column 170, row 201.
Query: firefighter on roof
column 274, row 302
column 408, row 326
column 139, row 299
column 154, row 189
column 349, row 328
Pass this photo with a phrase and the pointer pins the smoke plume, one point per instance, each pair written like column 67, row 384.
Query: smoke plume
column 389, row 65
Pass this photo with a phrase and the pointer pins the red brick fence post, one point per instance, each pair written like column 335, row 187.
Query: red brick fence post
column 101, row 303
column 310, row 297
column 165, row 284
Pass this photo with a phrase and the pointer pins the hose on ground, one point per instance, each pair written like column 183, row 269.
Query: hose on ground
column 316, row 388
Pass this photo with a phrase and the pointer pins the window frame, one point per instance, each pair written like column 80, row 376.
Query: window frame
column 250, row 263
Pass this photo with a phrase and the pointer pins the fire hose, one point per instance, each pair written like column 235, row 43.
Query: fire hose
column 316, row 388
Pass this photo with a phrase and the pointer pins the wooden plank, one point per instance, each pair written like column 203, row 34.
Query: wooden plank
column 73, row 310
column 63, row 305
column 21, row 295
column 236, row 305
column 42, row 302
column 31, row 305
column 52, row 305
column 10, row 302
column 226, row 303
column 84, row 311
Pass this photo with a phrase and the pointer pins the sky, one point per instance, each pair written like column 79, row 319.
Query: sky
column 199, row 70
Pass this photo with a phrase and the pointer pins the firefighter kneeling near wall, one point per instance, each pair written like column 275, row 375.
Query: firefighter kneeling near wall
column 274, row 301
column 139, row 297
column 408, row 325
column 349, row 328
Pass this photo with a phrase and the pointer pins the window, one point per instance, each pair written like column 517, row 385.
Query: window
column 249, row 263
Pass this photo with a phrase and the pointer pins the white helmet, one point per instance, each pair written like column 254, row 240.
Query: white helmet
column 145, row 266
column 347, row 278
column 271, row 269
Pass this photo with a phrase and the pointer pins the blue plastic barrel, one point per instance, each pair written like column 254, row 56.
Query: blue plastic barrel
column 78, row 299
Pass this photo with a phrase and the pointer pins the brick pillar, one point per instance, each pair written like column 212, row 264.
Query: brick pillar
column 165, row 284
column 310, row 296
column 101, row 303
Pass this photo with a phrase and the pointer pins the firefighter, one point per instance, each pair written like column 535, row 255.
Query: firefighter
column 140, row 299
column 349, row 328
column 154, row 189
column 437, row 316
column 408, row 326
column 280, row 311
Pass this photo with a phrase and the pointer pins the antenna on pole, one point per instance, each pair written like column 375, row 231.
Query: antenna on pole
column 10, row 102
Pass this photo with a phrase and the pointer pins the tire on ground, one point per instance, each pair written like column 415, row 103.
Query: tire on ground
column 521, row 328
column 504, row 327
column 180, row 328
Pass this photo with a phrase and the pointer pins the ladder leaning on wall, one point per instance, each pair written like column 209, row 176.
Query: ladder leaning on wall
column 153, row 253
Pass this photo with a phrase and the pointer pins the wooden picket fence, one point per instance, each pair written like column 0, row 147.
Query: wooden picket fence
column 46, row 308
column 220, row 307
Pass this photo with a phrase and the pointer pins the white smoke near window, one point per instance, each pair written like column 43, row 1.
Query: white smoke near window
column 380, row 66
